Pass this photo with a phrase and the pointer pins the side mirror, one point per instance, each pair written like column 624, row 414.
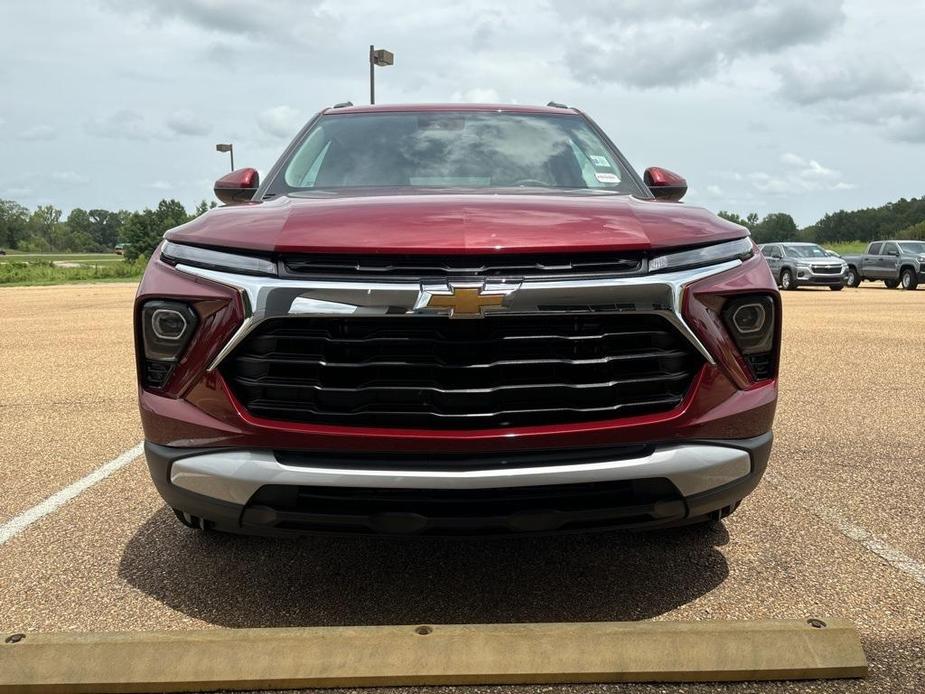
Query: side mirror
column 665, row 184
column 238, row 186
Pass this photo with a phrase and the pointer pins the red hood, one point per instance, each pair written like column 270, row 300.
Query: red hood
column 455, row 224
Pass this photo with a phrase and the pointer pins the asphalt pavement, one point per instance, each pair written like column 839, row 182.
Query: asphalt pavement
column 837, row 529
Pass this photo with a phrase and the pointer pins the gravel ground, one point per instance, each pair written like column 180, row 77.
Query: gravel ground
column 849, row 459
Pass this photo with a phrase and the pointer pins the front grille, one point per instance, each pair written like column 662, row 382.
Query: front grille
column 435, row 372
column 428, row 267
column 825, row 270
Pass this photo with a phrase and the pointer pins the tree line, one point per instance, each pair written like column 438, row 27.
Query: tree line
column 45, row 230
column 903, row 219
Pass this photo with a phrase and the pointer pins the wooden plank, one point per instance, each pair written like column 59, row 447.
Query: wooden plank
column 239, row 659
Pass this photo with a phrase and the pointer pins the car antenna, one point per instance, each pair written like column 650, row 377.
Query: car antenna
column 556, row 104
column 343, row 104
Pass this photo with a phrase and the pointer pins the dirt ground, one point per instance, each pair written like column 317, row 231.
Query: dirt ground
column 836, row 529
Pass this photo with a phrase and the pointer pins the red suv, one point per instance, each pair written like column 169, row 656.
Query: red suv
column 455, row 319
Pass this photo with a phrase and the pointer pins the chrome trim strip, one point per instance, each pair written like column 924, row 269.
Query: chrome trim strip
column 272, row 297
column 235, row 476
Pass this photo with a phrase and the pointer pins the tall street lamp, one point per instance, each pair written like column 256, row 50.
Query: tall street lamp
column 227, row 148
column 379, row 57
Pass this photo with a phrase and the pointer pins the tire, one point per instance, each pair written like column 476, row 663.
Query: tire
column 908, row 279
column 891, row 284
column 786, row 281
column 837, row 287
column 854, row 279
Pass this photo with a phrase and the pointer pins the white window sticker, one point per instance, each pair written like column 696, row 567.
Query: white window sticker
column 607, row 177
column 598, row 160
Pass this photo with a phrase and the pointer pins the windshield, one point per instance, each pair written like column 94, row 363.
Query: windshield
column 808, row 251
column 914, row 247
column 454, row 150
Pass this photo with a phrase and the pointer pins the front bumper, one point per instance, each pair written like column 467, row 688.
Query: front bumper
column 805, row 276
column 273, row 492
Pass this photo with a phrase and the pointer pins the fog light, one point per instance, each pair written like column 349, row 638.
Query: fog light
column 750, row 321
column 166, row 329
column 168, row 324
column 749, row 318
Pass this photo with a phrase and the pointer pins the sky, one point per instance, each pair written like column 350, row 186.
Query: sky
column 763, row 105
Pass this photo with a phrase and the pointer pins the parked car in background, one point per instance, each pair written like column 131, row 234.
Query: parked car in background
column 892, row 262
column 805, row 264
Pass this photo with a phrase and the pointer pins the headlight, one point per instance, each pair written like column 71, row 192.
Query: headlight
column 174, row 253
column 740, row 249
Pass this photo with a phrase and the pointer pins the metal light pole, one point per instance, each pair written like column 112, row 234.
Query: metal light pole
column 226, row 148
column 379, row 57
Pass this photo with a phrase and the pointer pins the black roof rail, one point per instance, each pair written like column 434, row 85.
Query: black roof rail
column 343, row 104
column 556, row 104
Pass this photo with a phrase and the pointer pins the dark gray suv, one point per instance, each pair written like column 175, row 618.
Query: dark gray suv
column 805, row 264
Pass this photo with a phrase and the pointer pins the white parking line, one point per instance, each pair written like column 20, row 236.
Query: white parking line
column 896, row 558
column 16, row 525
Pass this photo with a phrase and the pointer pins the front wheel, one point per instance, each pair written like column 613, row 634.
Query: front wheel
column 891, row 284
column 854, row 279
column 909, row 280
column 786, row 280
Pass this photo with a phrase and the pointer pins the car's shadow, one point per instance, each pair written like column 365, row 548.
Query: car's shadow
column 237, row 581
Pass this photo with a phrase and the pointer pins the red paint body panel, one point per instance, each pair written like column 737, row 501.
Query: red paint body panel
column 197, row 409
column 456, row 224
column 720, row 404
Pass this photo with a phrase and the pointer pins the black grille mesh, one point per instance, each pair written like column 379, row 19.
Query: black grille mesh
column 434, row 372
column 419, row 267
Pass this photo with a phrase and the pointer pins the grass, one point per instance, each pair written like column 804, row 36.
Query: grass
column 17, row 257
column 17, row 274
column 847, row 247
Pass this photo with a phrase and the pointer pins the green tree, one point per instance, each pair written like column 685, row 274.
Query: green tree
column 46, row 231
column 203, row 207
column 142, row 231
column 78, row 233
column 14, row 224
column 104, row 228
column 916, row 232
column 777, row 226
column 731, row 217
column 748, row 222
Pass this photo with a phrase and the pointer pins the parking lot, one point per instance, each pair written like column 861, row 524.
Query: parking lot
column 837, row 528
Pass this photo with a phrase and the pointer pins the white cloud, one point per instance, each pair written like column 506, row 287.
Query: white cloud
column 38, row 132
column 160, row 185
column 71, row 178
column 16, row 192
column 124, row 124
column 797, row 176
column 185, row 122
column 477, row 95
column 644, row 44
column 280, row 121
column 872, row 91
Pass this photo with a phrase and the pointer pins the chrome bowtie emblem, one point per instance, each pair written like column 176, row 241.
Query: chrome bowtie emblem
column 463, row 299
